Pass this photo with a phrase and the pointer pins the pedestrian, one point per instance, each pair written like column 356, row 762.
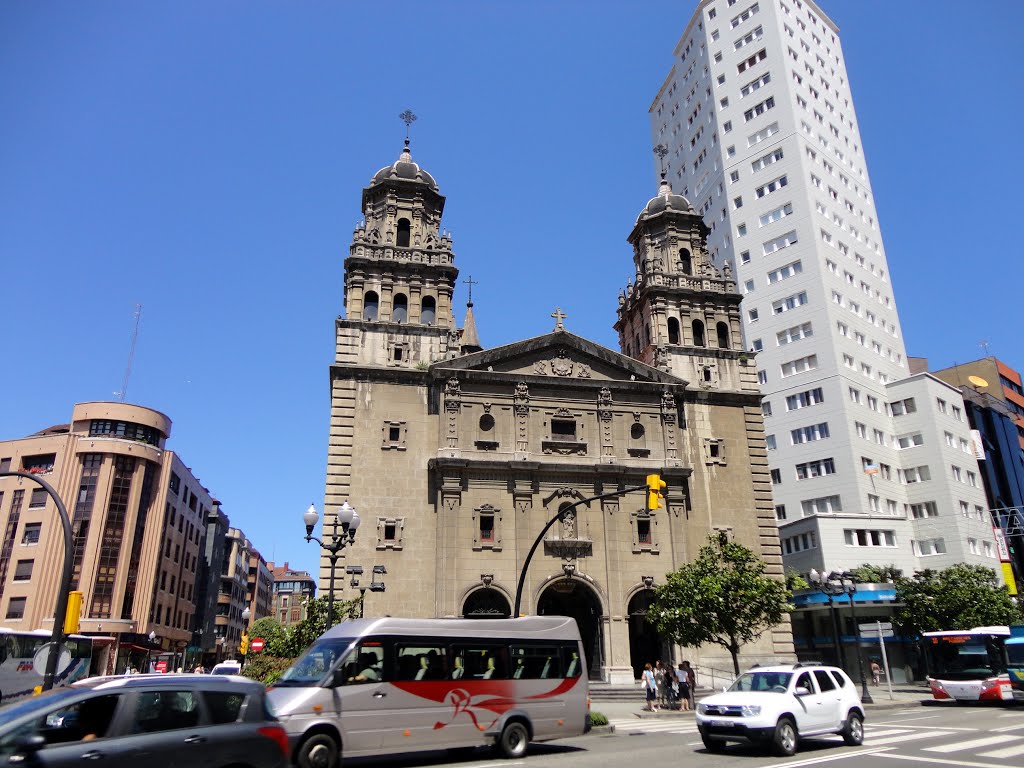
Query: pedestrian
column 650, row 688
column 659, row 680
column 876, row 672
column 691, row 680
column 684, row 688
column 672, row 687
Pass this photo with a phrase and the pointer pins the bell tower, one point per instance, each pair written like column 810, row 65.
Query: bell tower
column 681, row 313
column 400, row 274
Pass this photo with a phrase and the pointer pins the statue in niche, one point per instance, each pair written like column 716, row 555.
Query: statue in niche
column 569, row 525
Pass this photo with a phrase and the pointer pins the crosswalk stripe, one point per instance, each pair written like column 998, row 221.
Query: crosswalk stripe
column 1006, row 752
column 913, row 736
column 961, row 746
column 873, row 734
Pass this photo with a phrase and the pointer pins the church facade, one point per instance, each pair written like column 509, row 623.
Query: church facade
column 456, row 456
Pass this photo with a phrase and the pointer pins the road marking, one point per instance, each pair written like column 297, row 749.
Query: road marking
column 921, row 717
column 927, row 727
column 960, row 746
column 1008, row 752
column 1008, row 728
column 910, row 737
column 941, row 760
column 873, row 734
column 829, row 758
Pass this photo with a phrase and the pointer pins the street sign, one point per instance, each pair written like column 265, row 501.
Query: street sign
column 160, row 666
column 42, row 655
column 874, row 626
column 873, row 634
column 256, row 644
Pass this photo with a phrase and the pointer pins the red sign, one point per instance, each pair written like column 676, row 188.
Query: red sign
column 160, row 666
column 256, row 644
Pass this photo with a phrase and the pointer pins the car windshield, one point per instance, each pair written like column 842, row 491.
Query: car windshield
column 769, row 682
column 45, row 701
column 315, row 663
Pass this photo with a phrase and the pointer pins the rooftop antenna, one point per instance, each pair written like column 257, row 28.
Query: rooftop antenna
column 137, row 314
column 408, row 118
column 661, row 151
column 984, row 345
column 471, row 282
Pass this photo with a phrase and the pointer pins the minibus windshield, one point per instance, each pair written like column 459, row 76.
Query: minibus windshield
column 311, row 668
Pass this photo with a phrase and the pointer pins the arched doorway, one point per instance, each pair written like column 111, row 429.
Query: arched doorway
column 645, row 644
column 573, row 597
column 486, row 603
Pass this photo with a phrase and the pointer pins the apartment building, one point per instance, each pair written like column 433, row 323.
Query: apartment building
column 758, row 121
column 291, row 591
column 138, row 528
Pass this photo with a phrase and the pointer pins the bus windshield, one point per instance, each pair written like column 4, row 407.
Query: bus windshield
column 966, row 656
column 1015, row 652
column 313, row 666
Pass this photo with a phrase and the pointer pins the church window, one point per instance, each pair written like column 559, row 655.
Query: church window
column 698, row 333
column 714, row 451
column 636, row 432
column 643, row 524
column 647, row 333
column 723, row 335
column 370, row 305
column 389, row 532
column 673, row 331
column 428, row 314
column 400, row 312
column 403, row 233
column 685, row 262
column 394, row 435
column 643, row 531
column 486, row 423
column 563, row 429
column 487, row 528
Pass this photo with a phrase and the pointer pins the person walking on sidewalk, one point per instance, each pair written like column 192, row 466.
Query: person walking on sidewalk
column 691, row 679
column 683, row 685
column 659, row 679
column 650, row 688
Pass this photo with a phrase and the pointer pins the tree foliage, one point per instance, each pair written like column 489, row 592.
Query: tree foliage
column 275, row 636
column 876, row 574
column 266, row 669
column 302, row 635
column 959, row 597
column 723, row 597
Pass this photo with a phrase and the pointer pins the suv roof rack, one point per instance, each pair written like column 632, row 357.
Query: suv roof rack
column 800, row 664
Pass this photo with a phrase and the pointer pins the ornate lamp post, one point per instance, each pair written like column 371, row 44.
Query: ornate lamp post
column 824, row 583
column 849, row 582
column 349, row 519
column 149, row 648
column 244, row 645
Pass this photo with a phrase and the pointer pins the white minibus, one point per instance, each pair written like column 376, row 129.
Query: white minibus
column 378, row 686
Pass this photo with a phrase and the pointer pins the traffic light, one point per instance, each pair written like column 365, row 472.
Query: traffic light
column 243, row 647
column 655, row 492
column 74, row 612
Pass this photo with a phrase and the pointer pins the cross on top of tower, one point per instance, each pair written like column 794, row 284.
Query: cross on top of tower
column 559, row 316
column 408, row 118
column 471, row 282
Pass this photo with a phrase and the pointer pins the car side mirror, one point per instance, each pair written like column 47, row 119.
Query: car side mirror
column 802, row 691
column 338, row 677
column 31, row 744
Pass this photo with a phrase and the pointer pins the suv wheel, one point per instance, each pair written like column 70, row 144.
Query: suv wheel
column 318, row 751
column 853, row 730
column 785, row 737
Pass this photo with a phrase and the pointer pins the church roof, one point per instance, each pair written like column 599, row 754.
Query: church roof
column 665, row 200
column 404, row 169
column 470, row 338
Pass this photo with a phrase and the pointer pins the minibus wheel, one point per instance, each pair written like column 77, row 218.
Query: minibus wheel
column 514, row 739
column 318, row 751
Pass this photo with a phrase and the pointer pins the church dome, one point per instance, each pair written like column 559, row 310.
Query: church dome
column 665, row 200
column 405, row 169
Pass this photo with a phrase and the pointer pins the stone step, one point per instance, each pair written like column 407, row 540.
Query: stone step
column 606, row 692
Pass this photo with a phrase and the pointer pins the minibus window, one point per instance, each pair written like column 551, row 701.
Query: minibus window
column 315, row 663
column 365, row 665
column 480, row 661
column 534, row 662
column 420, row 662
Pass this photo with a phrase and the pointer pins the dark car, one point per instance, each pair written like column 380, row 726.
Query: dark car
column 155, row 721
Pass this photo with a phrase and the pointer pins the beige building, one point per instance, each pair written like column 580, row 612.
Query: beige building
column 456, row 457
column 291, row 591
column 138, row 523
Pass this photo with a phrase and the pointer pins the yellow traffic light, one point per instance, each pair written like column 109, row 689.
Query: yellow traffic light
column 655, row 492
column 74, row 613
column 243, row 647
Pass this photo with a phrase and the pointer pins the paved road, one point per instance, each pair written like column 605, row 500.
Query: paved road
column 960, row 737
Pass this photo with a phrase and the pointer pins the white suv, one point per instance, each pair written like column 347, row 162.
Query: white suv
column 777, row 706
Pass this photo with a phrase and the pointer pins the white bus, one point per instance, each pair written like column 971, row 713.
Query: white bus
column 19, row 677
column 377, row 686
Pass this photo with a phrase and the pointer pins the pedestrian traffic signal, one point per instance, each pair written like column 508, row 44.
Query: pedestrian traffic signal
column 74, row 613
column 655, row 492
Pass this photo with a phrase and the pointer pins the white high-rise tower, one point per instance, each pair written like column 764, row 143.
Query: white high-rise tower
column 868, row 463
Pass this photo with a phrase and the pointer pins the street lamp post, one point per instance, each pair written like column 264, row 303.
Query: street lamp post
column 355, row 571
column 824, row 584
column 244, row 645
column 349, row 519
column 849, row 582
column 149, row 648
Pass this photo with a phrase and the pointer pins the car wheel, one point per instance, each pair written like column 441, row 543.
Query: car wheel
column 853, row 730
column 318, row 751
column 513, row 740
column 713, row 745
column 785, row 737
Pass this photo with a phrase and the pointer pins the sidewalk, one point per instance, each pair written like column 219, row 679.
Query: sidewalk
column 903, row 696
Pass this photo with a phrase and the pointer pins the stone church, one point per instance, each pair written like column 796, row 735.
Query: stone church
column 456, row 456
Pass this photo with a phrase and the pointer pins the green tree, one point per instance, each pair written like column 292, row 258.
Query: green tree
column 959, row 597
column 275, row 636
column 303, row 634
column 795, row 581
column 723, row 597
column 876, row 574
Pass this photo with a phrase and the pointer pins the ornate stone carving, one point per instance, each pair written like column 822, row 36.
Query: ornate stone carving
column 561, row 365
column 582, row 371
column 541, row 368
column 661, row 359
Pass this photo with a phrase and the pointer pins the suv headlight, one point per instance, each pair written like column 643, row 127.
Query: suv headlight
column 702, row 709
column 749, row 710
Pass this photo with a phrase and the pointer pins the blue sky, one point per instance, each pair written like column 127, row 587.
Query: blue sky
column 206, row 160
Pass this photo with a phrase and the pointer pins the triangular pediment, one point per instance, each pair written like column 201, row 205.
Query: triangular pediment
column 560, row 355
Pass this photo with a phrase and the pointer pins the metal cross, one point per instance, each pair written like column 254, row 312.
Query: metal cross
column 471, row 282
column 661, row 151
column 559, row 316
column 408, row 118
